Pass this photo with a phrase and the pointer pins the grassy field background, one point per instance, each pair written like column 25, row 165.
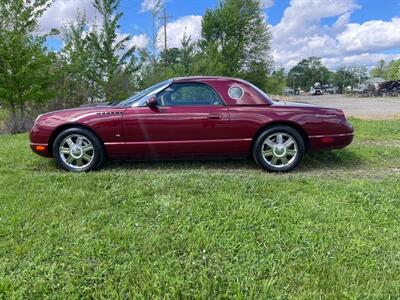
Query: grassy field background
column 204, row 229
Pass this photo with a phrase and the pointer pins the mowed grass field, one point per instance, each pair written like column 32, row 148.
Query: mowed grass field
column 219, row 229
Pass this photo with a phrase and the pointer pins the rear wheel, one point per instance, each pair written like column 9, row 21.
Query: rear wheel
column 279, row 149
column 78, row 150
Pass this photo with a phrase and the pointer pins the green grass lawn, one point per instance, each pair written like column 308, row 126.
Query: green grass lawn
column 204, row 229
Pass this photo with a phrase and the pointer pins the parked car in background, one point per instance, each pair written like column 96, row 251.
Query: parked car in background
column 288, row 91
column 316, row 89
column 191, row 117
column 329, row 89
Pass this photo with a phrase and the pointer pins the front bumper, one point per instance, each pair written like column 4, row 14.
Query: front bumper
column 39, row 141
column 40, row 149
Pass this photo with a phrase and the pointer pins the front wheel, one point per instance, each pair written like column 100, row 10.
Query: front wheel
column 279, row 149
column 78, row 150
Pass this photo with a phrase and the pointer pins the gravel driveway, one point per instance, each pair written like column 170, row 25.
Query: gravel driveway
column 363, row 108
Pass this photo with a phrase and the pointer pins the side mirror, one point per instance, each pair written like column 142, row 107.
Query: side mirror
column 152, row 102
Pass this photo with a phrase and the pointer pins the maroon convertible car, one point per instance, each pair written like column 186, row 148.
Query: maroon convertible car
column 191, row 117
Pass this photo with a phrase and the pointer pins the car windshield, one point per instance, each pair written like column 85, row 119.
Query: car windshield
column 135, row 98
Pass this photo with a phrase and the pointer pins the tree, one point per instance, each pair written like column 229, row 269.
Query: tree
column 209, row 60
column 379, row 70
column 186, row 57
column 237, row 36
column 173, row 62
column 25, row 66
column 181, row 60
column 235, row 42
column 349, row 76
column 307, row 72
column 112, row 58
column 276, row 82
column 19, row 16
column 77, row 63
column 360, row 74
column 388, row 71
column 393, row 70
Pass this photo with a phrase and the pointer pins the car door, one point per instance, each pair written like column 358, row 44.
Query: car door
column 190, row 119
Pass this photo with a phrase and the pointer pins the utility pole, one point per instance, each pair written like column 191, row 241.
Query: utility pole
column 154, row 35
column 165, row 18
column 154, row 14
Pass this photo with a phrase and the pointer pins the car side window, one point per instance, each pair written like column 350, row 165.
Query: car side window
column 188, row 94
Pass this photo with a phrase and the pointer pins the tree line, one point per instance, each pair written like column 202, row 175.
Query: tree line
column 311, row 70
column 96, row 63
column 387, row 70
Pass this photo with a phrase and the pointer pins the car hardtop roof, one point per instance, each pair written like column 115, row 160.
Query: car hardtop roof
column 199, row 78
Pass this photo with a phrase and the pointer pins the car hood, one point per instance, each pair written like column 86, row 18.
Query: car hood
column 85, row 109
column 75, row 114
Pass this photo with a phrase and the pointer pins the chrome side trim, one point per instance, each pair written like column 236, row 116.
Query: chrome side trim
column 179, row 142
column 330, row 135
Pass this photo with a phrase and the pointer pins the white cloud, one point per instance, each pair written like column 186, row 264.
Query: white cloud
column 266, row 3
column 63, row 12
column 371, row 35
column 302, row 17
column 140, row 41
column 176, row 30
column 300, row 34
column 341, row 22
column 365, row 59
column 151, row 5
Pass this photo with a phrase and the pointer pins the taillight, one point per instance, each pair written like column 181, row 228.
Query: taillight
column 327, row 140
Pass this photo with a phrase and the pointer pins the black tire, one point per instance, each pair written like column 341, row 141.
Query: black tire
column 96, row 152
column 293, row 161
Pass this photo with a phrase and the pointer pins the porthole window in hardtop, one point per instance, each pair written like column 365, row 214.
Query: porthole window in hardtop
column 188, row 94
column 236, row 92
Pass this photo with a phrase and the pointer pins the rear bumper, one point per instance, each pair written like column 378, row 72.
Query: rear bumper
column 332, row 141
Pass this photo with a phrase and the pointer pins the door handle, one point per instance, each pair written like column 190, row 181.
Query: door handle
column 214, row 116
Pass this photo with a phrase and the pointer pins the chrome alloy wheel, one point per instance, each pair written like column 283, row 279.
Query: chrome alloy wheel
column 279, row 150
column 76, row 151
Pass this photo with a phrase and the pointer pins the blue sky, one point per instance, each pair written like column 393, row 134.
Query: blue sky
column 340, row 31
column 369, row 10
